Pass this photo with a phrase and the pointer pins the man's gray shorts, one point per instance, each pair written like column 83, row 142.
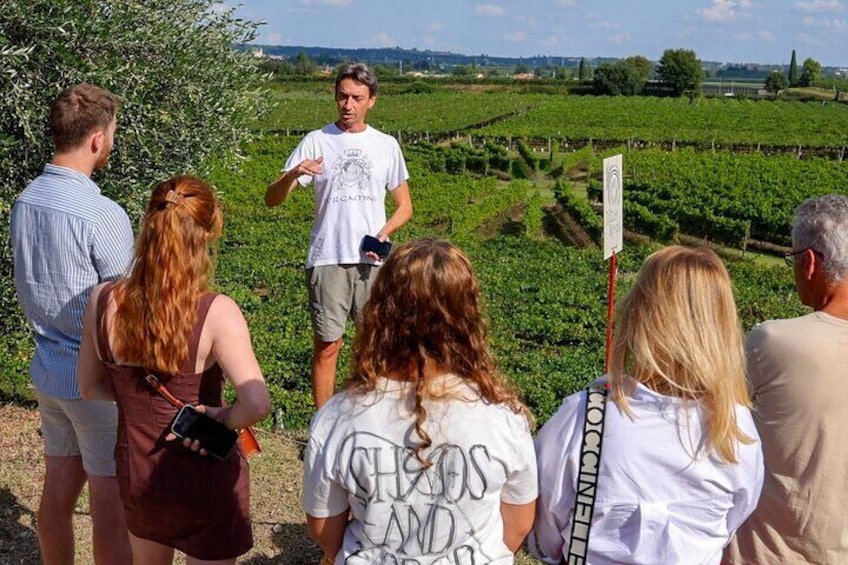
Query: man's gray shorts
column 336, row 293
column 84, row 428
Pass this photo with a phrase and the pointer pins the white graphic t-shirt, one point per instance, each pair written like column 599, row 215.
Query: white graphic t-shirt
column 350, row 193
column 360, row 457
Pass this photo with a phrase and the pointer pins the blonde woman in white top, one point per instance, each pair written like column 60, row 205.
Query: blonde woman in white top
column 681, row 465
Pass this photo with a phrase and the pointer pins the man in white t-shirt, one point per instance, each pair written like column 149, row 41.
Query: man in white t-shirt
column 352, row 165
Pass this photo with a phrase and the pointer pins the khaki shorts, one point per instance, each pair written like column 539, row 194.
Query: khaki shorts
column 336, row 293
column 86, row 428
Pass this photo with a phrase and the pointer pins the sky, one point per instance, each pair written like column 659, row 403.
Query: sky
column 739, row 31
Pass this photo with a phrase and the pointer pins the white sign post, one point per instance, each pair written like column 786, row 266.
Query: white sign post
column 613, row 224
column 613, row 238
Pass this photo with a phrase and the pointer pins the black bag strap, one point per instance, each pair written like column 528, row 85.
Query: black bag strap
column 587, row 479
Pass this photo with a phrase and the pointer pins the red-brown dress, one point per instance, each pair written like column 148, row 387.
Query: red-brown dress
column 172, row 495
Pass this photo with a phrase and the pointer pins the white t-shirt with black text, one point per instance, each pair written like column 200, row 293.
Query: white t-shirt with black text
column 659, row 498
column 360, row 457
column 351, row 191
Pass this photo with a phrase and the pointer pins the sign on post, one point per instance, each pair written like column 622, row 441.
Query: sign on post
column 613, row 215
column 613, row 239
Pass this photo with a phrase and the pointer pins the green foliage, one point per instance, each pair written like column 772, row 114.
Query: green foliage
column 527, row 154
column 383, row 71
column 497, row 154
column 624, row 77
column 188, row 95
column 276, row 67
column 793, row 70
column 642, row 220
column 534, row 216
column 303, row 65
column 432, row 157
column 580, row 210
column 810, row 73
column 776, row 82
column 727, row 197
column 457, row 159
column 721, row 121
column 462, row 71
column 442, row 111
column 681, row 70
column 420, row 87
column 642, row 66
column 546, row 303
column 639, row 118
column 520, row 170
column 584, row 71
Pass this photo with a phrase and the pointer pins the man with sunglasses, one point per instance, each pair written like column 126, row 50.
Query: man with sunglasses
column 798, row 376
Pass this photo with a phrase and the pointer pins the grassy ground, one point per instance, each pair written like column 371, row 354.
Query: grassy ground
column 279, row 526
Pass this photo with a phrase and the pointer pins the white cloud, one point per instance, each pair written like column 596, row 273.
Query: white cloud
column 836, row 25
column 551, row 41
column 839, row 25
column 275, row 38
column 488, row 10
column 820, row 6
column 525, row 19
column 620, row 38
column 724, row 11
column 607, row 25
column 766, row 35
column 808, row 39
column 515, row 36
column 686, row 33
column 383, row 39
column 436, row 26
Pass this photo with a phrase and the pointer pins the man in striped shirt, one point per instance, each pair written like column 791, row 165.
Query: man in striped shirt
column 66, row 238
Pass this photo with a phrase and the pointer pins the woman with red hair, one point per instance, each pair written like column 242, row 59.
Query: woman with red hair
column 428, row 450
column 163, row 320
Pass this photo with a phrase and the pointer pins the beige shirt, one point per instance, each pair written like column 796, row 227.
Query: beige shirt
column 798, row 373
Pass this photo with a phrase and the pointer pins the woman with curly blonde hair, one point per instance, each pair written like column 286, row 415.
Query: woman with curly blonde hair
column 163, row 320
column 428, row 450
column 680, row 460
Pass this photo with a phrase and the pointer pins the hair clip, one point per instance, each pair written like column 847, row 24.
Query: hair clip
column 173, row 197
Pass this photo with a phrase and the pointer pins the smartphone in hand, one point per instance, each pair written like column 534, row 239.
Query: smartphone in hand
column 374, row 245
column 216, row 438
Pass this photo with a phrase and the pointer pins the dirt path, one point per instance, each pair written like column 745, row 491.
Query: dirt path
column 279, row 527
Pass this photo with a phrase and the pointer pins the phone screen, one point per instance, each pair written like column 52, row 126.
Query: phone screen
column 381, row 248
column 216, row 438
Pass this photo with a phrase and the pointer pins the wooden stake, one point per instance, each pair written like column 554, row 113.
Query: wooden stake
column 613, row 273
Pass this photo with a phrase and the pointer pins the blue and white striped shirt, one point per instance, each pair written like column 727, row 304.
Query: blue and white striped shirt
column 66, row 238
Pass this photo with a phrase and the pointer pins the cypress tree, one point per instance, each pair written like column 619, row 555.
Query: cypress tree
column 793, row 71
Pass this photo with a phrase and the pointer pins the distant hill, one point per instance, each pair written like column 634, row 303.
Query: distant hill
column 425, row 59
column 418, row 58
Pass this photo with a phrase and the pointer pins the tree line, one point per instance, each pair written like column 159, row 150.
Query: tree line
column 809, row 76
column 678, row 72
